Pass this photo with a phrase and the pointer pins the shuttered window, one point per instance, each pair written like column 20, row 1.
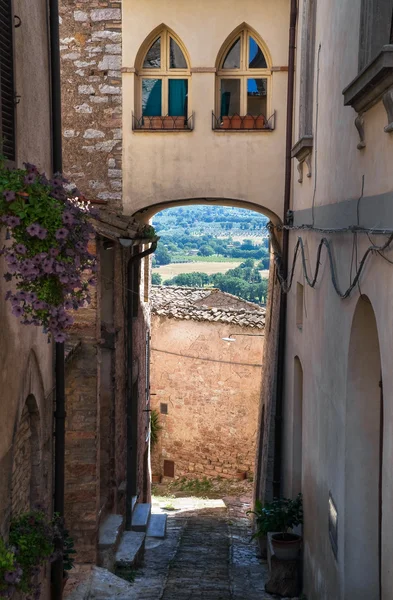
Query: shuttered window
column 7, row 104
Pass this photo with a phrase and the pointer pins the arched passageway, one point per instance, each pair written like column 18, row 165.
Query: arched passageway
column 363, row 460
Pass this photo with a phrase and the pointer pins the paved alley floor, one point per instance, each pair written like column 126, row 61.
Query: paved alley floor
column 207, row 555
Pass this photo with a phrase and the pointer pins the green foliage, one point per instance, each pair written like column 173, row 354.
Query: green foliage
column 196, row 486
column 10, row 572
column 32, row 535
column 205, row 250
column 155, row 427
column 280, row 515
column 196, row 279
column 156, row 279
column 161, row 255
column 50, row 230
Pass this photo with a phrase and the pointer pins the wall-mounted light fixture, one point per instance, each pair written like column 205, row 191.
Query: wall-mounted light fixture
column 232, row 339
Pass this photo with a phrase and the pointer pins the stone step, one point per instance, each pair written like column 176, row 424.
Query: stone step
column 140, row 517
column 108, row 540
column 130, row 552
column 157, row 526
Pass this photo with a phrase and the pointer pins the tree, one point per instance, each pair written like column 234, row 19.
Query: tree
column 156, row 279
column 197, row 279
column 205, row 251
column 162, row 255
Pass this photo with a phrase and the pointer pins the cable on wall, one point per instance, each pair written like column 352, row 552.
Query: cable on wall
column 286, row 283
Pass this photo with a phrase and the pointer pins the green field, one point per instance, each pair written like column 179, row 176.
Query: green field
column 169, row 271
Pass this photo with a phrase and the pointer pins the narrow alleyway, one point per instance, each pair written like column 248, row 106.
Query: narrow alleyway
column 207, row 555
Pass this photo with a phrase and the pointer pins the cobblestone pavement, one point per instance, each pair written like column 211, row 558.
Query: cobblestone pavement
column 207, row 555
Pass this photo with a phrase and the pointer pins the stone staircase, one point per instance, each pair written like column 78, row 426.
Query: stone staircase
column 120, row 550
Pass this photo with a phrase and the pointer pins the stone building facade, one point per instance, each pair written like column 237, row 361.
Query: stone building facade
column 98, row 392
column 26, row 358
column 337, row 403
column 206, row 390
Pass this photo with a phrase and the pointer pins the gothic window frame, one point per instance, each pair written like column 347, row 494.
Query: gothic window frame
column 164, row 73
column 244, row 71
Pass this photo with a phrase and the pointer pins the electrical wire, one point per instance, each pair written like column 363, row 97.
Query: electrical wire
column 311, row 280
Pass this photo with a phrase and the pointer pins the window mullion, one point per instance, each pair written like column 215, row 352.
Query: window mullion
column 165, row 91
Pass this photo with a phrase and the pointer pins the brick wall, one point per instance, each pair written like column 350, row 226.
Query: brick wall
column 82, row 468
column 21, row 467
column 212, row 392
column 92, row 112
column 27, row 490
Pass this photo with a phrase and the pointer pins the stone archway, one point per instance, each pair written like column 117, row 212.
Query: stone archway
column 363, row 458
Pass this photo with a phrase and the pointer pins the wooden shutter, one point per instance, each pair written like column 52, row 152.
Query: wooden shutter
column 7, row 96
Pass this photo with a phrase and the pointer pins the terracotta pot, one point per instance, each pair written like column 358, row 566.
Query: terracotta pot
column 226, row 123
column 156, row 478
column 262, row 545
column 236, row 122
column 250, row 122
column 174, row 122
column 288, row 548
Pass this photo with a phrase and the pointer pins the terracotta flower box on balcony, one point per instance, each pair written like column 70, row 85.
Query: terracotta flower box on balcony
column 248, row 122
column 164, row 123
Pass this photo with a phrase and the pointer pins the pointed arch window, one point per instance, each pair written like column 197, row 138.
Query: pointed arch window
column 164, row 82
column 243, row 82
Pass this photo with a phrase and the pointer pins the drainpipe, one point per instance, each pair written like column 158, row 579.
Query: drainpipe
column 285, row 239
column 57, row 167
column 131, row 413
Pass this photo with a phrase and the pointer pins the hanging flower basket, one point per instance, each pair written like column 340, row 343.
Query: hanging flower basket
column 47, row 255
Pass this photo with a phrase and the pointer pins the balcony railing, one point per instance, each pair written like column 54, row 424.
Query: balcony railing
column 246, row 123
column 163, row 123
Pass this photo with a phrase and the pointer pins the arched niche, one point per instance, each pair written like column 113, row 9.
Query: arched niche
column 363, row 458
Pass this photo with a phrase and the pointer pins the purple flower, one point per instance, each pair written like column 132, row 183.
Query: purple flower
column 39, row 305
column 70, row 252
column 9, row 196
column 54, row 252
column 63, row 279
column 62, row 233
column 17, row 311
column 7, row 276
column 57, row 181
column 68, row 218
column 21, row 295
column 68, row 321
column 68, row 305
column 60, row 338
column 13, row 221
column 33, row 229
column 30, row 179
column 8, row 295
column 30, row 168
column 47, row 265
column 92, row 281
column 42, row 233
column 11, row 259
column 53, row 324
column 59, row 267
column 31, row 297
column 20, row 248
column 36, row 260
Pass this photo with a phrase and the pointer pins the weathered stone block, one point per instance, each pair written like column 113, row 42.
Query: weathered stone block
column 106, row 14
column 80, row 15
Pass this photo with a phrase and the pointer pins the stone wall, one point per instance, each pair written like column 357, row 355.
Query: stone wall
column 82, row 468
column 21, row 467
column 92, row 113
column 211, row 390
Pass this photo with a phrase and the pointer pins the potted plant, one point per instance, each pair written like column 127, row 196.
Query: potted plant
column 279, row 517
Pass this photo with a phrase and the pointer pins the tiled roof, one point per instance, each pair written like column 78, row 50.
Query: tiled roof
column 201, row 304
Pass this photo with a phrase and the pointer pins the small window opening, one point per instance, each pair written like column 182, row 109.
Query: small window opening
column 169, row 468
column 163, row 408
